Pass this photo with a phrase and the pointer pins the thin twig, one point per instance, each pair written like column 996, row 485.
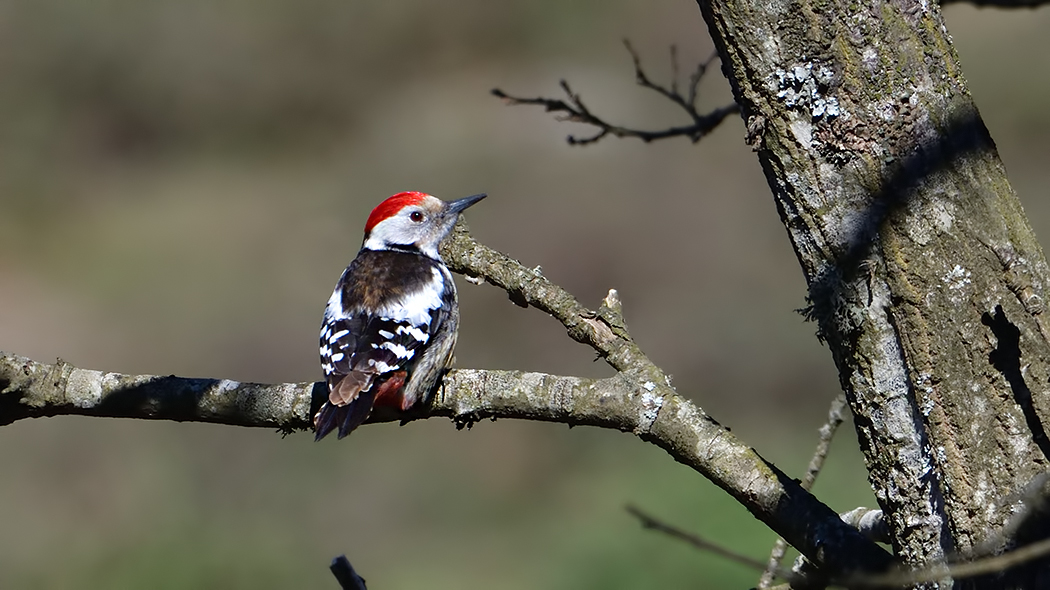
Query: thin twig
column 674, row 64
column 827, row 433
column 816, row 463
column 697, row 541
column 572, row 108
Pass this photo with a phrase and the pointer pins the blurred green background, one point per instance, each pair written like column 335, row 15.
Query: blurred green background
column 182, row 183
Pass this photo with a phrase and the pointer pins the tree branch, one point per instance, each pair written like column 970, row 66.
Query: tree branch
column 705, row 445
column 574, row 110
column 30, row 389
column 638, row 399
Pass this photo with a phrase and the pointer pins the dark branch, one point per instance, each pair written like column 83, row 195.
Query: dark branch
column 573, row 109
column 30, row 389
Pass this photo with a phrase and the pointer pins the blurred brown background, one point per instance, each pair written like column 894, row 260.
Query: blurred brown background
column 182, row 183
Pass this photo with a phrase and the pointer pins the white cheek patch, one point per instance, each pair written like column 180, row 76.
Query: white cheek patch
column 398, row 229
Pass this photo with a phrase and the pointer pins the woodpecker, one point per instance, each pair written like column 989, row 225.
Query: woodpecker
column 390, row 327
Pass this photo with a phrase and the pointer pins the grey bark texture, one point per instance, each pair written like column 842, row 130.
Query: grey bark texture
column 925, row 278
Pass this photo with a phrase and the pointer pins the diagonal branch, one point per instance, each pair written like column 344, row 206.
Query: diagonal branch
column 603, row 330
column 638, row 399
column 573, row 109
column 732, row 465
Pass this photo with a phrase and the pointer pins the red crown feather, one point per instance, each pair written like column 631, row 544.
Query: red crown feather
column 391, row 206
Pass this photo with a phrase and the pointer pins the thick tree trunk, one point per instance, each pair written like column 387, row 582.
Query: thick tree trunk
column 925, row 278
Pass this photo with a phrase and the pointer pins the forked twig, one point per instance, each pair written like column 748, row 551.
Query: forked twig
column 573, row 109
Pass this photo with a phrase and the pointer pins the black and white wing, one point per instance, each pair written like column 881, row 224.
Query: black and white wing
column 372, row 336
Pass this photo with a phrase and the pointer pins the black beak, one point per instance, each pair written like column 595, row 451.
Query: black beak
column 456, row 207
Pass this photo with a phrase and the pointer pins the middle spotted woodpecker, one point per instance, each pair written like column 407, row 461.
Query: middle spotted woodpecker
column 390, row 326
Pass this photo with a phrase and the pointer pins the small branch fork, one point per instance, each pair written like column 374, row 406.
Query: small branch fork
column 575, row 110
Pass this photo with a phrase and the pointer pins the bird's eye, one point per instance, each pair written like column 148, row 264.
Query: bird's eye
column 416, row 216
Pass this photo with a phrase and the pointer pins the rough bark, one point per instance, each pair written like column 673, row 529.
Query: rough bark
column 925, row 278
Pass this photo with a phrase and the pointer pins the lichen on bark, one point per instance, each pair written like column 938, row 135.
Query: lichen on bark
column 910, row 238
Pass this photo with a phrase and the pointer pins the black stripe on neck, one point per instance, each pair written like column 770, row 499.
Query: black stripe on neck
column 404, row 248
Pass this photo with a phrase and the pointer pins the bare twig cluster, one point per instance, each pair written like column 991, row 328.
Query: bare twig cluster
column 573, row 109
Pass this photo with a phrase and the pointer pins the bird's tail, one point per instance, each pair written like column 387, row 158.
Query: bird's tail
column 346, row 418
